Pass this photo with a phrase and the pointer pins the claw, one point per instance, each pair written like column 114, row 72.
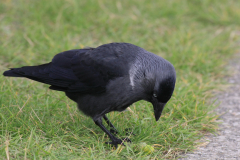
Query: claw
column 129, row 132
column 116, row 142
column 127, row 140
column 119, row 141
column 113, row 131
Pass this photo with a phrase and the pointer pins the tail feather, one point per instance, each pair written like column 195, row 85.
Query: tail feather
column 29, row 72
column 44, row 73
column 11, row 73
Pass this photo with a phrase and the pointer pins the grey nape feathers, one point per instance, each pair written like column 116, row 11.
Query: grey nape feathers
column 107, row 78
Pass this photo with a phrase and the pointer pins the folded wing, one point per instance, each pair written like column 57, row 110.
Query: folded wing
column 81, row 70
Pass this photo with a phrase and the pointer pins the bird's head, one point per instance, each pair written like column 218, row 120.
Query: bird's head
column 161, row 94
column 160, row 88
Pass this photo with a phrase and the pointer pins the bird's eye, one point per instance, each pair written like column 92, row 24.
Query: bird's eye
column 154, row 95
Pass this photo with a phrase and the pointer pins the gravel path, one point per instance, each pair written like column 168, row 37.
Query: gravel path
column 226, row 144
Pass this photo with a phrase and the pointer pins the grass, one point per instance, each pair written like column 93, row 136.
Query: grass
column 197, row 37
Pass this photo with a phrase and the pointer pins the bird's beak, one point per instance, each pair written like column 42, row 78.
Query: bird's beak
column 158, row 108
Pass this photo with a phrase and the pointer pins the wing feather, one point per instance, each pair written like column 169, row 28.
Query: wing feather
column 81, row 70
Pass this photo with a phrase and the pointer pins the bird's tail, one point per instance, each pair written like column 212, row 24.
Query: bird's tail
column 31, row 72
column 12, row 73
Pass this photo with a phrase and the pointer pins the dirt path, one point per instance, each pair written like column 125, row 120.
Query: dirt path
column 226, row 144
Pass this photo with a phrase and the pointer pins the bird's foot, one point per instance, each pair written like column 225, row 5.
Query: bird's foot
column 117, row 141
column 129, row 132
column 127, row 140
column 113, row 131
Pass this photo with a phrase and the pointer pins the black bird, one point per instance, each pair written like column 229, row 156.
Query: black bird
column 107, row 78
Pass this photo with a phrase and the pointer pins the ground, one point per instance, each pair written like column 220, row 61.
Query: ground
column 197, row 37
column 226, row 143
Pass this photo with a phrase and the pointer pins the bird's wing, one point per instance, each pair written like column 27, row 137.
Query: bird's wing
column 95, row 68
column 82, row 70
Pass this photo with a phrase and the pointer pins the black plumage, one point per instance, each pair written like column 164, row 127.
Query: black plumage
column 107, row 78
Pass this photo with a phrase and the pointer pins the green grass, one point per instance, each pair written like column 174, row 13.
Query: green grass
column 197, row 37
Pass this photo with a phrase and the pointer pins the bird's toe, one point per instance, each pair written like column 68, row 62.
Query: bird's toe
column 113, row 131
column 129, row 132
column 115, row 142
column 126, row 139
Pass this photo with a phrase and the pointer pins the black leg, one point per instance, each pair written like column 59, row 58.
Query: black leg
column 115, row 141
column 113, row 129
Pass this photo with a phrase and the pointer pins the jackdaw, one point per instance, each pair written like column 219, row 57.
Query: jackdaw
column 108, row 78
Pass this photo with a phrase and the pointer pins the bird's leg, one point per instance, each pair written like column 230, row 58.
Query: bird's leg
column 115, row 141
column 113, row 130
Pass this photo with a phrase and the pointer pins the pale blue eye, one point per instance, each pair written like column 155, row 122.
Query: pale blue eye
column 154, row 95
